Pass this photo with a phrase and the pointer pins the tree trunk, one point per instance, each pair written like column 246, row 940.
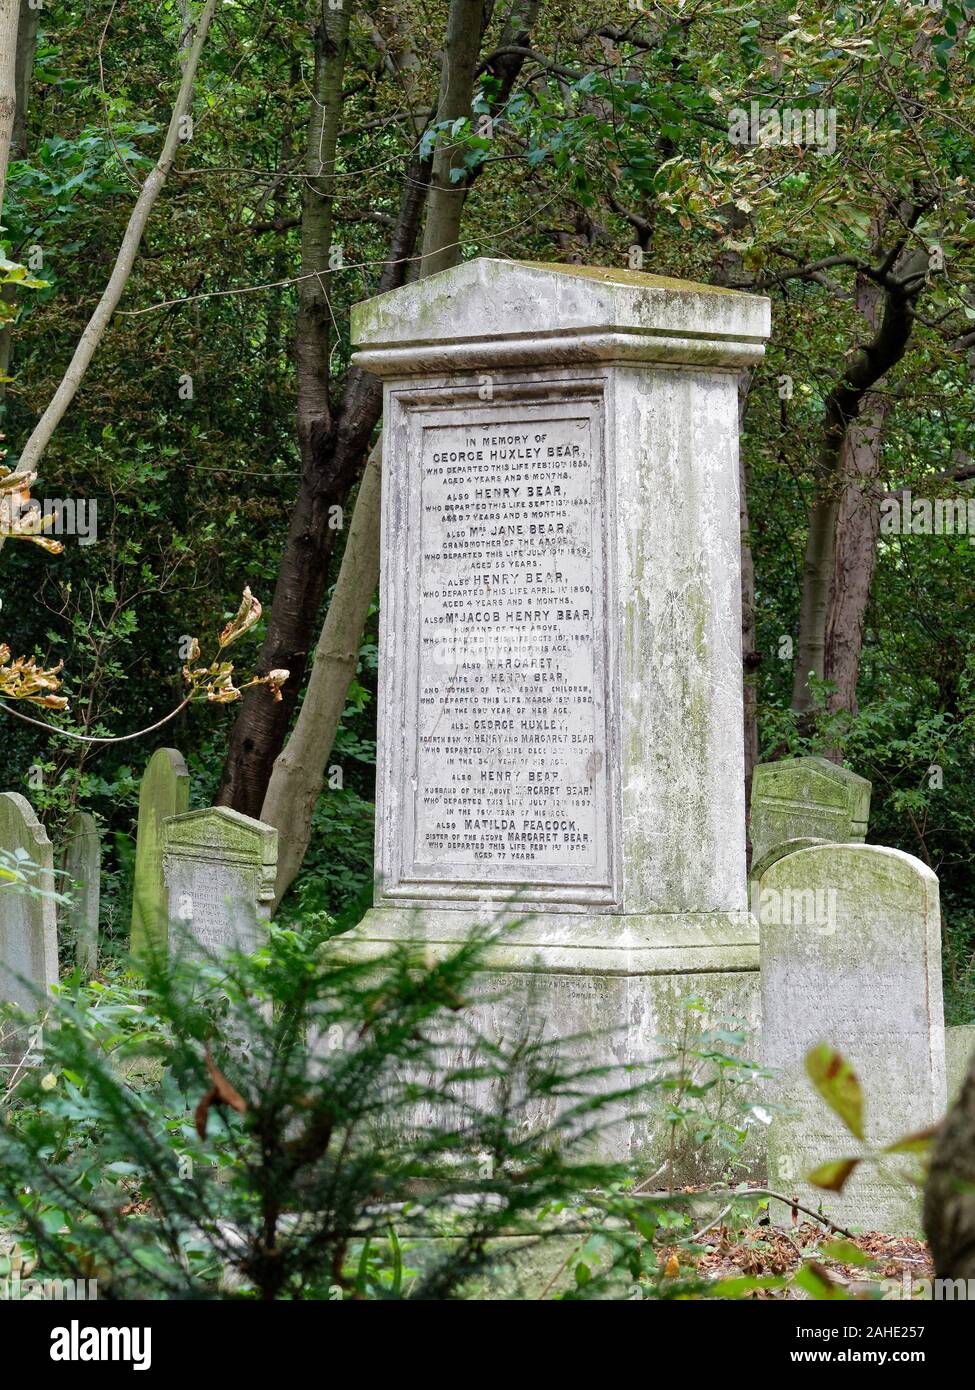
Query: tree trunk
column 867, row 365
column 299, row 771
column 949, row 1196
column 262, row 725
column 26, row 47
column 101, row 317
column 855, row 553
column 9, row 23
column 298, row 775
column 441, row 235
column 30, row 20
column 312, row 328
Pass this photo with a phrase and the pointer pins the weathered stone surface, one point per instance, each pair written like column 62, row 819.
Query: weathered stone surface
column 219, row 869
column 760, row 866
column 560, row 645
column 851, row 956
column 165, row 792
column 959, row 1047
column 82, row 865
column 809, row 798
column 28, row 933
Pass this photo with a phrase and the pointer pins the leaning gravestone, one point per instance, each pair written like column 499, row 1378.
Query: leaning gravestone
column 806, row 798
column 82, row 883
column 851, row 957
column 219, row 868
column 560, row 655
column 28, row 933
column 165, row 792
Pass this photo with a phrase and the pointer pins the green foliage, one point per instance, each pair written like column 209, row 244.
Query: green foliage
column 249, row 1133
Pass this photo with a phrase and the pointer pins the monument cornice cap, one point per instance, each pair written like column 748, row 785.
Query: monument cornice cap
column 491, row 313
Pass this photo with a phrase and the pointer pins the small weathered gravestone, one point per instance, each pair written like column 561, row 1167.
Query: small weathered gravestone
column 165, row 792
column 959, row 1048
column 851, row 957
column 219, row 868
column 28, row 933
column 82, row 883
column 806, row 798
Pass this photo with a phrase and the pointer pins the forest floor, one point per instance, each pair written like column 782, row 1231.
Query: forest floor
column 853, row 1266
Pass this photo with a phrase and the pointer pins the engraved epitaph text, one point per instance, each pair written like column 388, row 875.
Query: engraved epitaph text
column 509, row 782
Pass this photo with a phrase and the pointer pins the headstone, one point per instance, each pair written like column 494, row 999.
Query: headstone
column 851, row 957
column 219, row 868
column 808, row 798
column 560, row 657
column 82, row 883
column 165, row 792
column 959, row 1048
column 28, row 933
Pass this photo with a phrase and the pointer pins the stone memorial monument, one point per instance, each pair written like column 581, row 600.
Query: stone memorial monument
column 561, row 686
column 28, row 932
column 165, row 791
column 219, row 868
column 82, row 866
column 851, row 957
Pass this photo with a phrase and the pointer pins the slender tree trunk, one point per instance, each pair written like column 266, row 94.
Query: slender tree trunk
column 298, row 775
column 26, row 48
column 30, row 20
column 855, row 553
column 9, row 23
column 299, row 771
column 441, row 235
column 312, row 329
column 101, row 317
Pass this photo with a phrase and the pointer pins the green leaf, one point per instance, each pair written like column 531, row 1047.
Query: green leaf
column 832, row 1177
column 917, row 1143
column 817, row 1283
column 846, row 1253
column 838, row 1084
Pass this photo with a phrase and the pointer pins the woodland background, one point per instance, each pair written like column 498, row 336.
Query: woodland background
column 335, row 152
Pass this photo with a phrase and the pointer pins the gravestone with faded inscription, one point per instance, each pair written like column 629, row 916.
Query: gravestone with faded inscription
column 82, row 883
column 806, row 798
column 560, row 645
column 851, row 957
column 219, row 868
column 165, row 792
column 28, row 931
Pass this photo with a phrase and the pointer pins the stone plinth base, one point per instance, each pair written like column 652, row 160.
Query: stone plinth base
column 611, row 987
